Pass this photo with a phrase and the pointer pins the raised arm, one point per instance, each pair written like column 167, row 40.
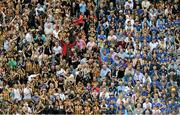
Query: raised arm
column 62, row 42
column 73, row 44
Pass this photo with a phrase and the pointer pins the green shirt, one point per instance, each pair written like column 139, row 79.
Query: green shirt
column 12, row 63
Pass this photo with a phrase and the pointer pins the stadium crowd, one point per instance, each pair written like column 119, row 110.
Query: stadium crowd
column 89, row 57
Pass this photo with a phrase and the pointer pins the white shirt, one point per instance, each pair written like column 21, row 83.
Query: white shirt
column 106, row 94
column 27, row 93
column 60, row 72
column 145, row 105
column 17, row 94
column 48, row 31
column 146, row 79
column 57, row 50
column 62, row 96
column 153, row 45
column 6, row 45
column 131, row 20
column 129, row 28
column 138, row 76
column 29, row 37
column 113, row 37
column 55, row 33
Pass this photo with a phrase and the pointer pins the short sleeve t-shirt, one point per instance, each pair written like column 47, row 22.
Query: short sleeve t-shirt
column 57, row 50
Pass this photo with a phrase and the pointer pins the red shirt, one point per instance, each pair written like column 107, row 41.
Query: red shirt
column 79, row 20
column 66, row 45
